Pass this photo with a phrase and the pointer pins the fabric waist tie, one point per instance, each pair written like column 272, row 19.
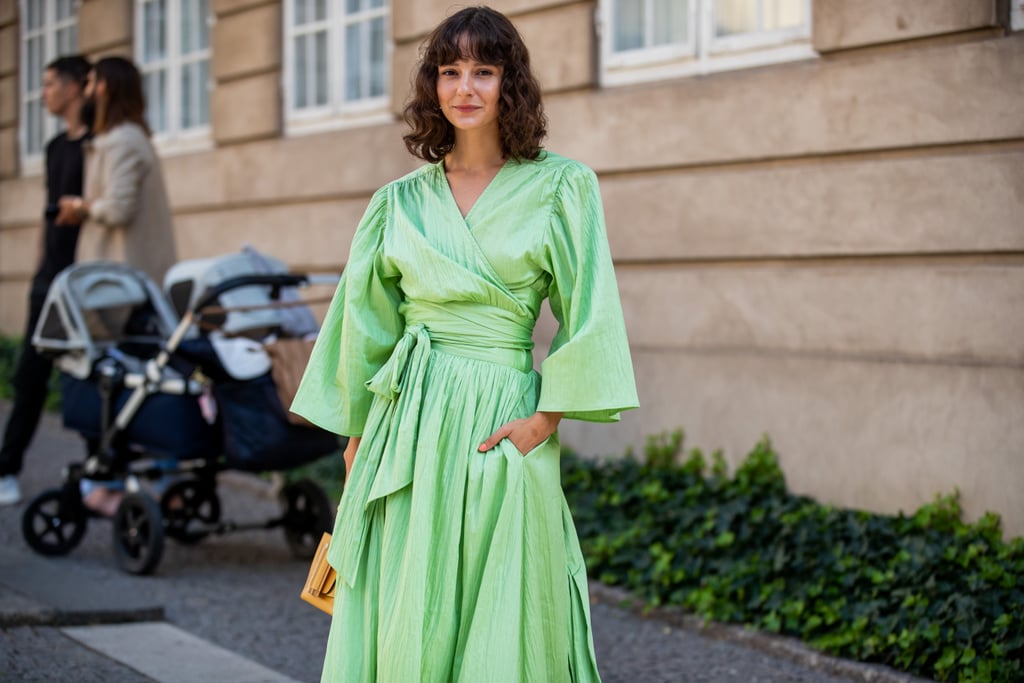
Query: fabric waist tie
column 477, row 331
column 384, row 464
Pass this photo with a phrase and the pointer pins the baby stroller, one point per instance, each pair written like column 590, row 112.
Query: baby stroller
column 169, row 390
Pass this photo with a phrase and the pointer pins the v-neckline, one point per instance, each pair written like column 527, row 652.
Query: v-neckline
column 476, row 203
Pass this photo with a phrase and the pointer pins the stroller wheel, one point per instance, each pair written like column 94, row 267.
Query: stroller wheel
column 186, row 502
column 138, row 534
column 55, row 521
column 307, row 515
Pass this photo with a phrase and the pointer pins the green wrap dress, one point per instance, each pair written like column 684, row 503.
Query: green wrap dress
column 456, row 565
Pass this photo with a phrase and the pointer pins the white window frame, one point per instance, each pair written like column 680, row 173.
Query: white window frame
column 32, row 162
column 175, row 139
column 703, row 53
column 337, row 113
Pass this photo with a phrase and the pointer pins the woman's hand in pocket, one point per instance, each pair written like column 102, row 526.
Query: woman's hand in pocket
column 525, row 433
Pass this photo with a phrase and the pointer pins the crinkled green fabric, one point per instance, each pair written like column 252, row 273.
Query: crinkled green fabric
column 456, row 565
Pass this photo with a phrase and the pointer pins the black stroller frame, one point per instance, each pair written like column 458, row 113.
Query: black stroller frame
column 189, row 509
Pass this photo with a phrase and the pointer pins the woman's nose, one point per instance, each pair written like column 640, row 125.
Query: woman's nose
column 465, row 85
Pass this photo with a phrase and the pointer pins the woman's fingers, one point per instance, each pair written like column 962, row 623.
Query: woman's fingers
column 500, row 433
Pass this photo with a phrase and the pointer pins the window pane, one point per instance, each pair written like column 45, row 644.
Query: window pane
column 67, row 40
column 321, row 67
column 204, row 24
column 155, row 30
column 309, row 11
column 782, row 14
column 353, row 62
column 378, row 3
column 629, row 25
column 204, row 92
column 34, row 126
column 155, row 84
column 735, row 16
column 378, row 40
column 188, row 27
column 188, row 96
column 299, row 74
column 34, row 17
column 671, row 19
column 65, row 9
column 195, row 107
column 352, row 6
column 34, row 63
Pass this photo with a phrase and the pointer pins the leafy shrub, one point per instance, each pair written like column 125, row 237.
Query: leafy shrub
column 9, row 350
column 926, row 593
column 8, row 357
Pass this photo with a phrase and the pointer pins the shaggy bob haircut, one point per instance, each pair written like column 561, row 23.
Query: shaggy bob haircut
column 486, row 36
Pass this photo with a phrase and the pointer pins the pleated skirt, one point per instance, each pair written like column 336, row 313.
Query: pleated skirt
column 473, row 572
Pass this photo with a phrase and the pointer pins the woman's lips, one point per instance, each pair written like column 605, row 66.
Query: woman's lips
column 466, row 108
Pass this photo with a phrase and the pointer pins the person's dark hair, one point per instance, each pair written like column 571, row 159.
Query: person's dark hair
column 124, row 100
column 487, row 36
column 73, row 68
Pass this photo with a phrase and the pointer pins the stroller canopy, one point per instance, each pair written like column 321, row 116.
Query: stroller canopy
column 92, row 306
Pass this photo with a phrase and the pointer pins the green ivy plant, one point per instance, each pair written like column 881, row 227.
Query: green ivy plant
column 925, row 593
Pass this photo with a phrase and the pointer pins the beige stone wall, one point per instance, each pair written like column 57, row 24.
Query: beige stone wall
column 246, row 65
column 8, row 89
column 829, row 252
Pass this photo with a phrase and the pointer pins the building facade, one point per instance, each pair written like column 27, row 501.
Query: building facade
column 816, row 207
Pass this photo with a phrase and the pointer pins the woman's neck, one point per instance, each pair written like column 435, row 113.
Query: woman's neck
column 473, row 153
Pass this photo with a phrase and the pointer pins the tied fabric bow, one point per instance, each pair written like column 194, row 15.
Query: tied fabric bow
column 380, row 469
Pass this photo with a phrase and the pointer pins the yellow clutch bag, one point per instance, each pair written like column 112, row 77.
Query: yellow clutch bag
column 319, row 588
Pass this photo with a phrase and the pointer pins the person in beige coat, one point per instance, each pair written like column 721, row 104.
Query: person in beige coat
column 124, row 212
column 125, row 208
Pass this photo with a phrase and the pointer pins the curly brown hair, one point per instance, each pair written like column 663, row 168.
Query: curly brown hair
column 487, row 36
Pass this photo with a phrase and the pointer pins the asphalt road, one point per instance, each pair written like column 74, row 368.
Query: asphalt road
column 240, row 591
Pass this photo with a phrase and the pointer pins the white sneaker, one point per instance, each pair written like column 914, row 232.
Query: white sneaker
column 10, row 494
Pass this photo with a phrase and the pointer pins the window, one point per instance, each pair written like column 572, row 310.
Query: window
column 336, row 57
column 651, row 39
column 172, row 44
column 49, row 30
column 1017, row 16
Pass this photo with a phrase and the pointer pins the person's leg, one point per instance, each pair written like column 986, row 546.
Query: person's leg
column 30, row 383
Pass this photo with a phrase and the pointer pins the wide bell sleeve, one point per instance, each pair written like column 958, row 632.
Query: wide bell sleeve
column 588, row 373
column 359, row 332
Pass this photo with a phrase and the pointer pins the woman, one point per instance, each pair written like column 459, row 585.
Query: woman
column 456, row 554
column 125, row 207
column 125, row 202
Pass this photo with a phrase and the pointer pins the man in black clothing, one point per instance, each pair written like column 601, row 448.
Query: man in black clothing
column 63, row 83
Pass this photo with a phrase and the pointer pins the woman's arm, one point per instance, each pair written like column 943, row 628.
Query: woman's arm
column 350, row 453
column 128, row 165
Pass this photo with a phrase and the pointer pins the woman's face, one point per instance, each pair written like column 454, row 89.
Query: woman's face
column 94, row 87
column 468, row 92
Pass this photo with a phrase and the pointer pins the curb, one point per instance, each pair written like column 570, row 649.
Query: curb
column 778, row 646
column 50, row 617
column 40, row 591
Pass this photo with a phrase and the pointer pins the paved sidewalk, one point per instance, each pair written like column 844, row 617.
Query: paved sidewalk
column 227, row 611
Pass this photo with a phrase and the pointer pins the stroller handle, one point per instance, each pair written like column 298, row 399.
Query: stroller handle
column 274, row 280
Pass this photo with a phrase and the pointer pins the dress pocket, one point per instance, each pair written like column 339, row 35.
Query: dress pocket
column 536, row 449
